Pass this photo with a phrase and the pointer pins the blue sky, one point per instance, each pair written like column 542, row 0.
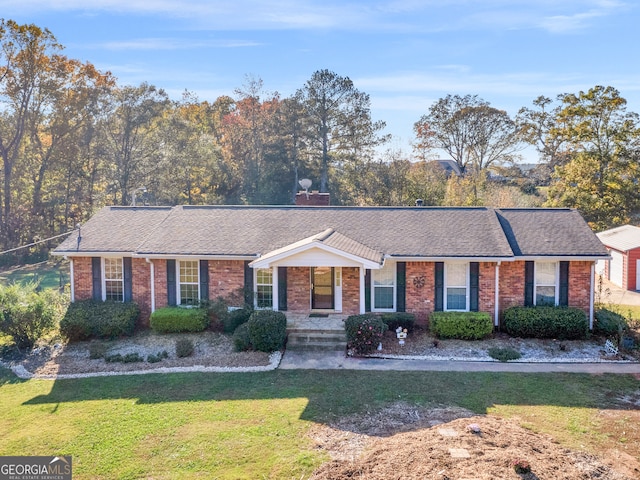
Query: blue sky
column 404, row 53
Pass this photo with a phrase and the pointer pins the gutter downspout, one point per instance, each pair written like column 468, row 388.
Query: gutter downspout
column 72, row 282
column 153, row 284
column 496, row 301
column 591, row 295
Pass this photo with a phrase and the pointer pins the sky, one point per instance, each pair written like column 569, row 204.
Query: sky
column 406, row 54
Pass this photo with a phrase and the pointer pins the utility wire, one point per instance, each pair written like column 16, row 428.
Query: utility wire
column 36, row 243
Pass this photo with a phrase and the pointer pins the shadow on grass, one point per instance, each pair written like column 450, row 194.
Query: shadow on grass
column 337, row 393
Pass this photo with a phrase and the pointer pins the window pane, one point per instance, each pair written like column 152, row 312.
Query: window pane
column 114, row 290
column 545, row 273
column 385, row 276
column 188, row 294
column 264, row 276
column 189, row 271
column 456, row 298
column 113, row 268
column 383, row 297
column 264, row 296
column 457, row 274
column 545, row 295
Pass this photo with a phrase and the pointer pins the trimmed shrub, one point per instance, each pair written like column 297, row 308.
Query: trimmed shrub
column 563, row 323
column 461, row 325
column 132, row 358
column 158, row 357
column 364, row 332
column 504, row 354
column 399, row 319
column 218, row 311
column 235, row 318
column 184, row 348
column 241, row 339
column 27, row 314
column 267, row 330
column 609, row 323
column 179, row 319
column 115, row 358
column 89, row 318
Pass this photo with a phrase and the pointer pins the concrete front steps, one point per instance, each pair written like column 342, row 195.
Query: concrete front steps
column 316, row 340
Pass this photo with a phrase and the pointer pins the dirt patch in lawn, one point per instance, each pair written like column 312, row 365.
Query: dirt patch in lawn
column 408, row 442
column 211, row 349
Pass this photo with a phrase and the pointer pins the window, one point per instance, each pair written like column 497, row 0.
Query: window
column 189, row 282
column 264, row 288
column 384, row 287
column 113, row 280
column 457, row 286
column 545, row 283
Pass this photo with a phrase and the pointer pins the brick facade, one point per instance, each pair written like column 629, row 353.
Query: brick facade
column 226, row 280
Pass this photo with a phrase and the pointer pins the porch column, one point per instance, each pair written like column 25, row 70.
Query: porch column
column 362, row 305
column 591, row 294
column 496, row 300
column 274, row 288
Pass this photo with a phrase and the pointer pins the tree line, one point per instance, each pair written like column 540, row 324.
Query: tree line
column 73, row 140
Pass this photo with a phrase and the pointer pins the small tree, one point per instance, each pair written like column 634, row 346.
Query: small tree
column 26, row 314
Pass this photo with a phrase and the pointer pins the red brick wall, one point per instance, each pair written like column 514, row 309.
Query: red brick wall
column 420, row 300
column 82, row 278
column 511, row 286
column 487, row 289
column 350, row 290
column 580, row 285
column 141, row 288
column 161, row 282
column 298, row 288
column 226, row 280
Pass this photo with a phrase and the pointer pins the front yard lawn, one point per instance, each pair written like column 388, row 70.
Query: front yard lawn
column 254, row 425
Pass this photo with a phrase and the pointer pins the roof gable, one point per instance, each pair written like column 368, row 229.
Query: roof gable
column 624, row 238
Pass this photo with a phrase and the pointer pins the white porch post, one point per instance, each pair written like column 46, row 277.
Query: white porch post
column 362, row 305
column 274, row 287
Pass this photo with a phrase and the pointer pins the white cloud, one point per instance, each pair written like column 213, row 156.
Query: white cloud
column 159, row 44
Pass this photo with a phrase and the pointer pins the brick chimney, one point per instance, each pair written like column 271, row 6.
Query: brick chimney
column 313, row 198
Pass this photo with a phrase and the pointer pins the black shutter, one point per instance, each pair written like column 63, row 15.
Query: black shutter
column 171, row 283
column 439, row 286
column 367, row 290
column 401, row 286
column 204, row 280
column 528, row 283
column 96, row 278
column 248, row 284
column 127, row 272
column 474, row 282
column 282, row 289
column 563, row 294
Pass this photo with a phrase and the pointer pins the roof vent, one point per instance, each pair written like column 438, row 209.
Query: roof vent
column 419, row 202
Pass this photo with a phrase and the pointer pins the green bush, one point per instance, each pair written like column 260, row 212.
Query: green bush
column 116, row 357
column 609, row 323
column 218, row 312
column 267, row 330
column 88, row 319
column 462, row 325
column 504, row 354
column 364, row 332
column 26, row 314
column 184, row 348
column 158, row 357
column 97, row 350
column 179, row 319
column 132, row 358
column 399, row 319
column 235, row 318
column 241, row 338
column 563, row 323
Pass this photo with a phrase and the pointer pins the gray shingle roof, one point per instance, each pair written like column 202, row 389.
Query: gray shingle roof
column 549, row 232
column 397, row 231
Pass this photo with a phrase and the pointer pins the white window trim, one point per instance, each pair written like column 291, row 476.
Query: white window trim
column 395, row 288
column 103, row 274
column 467, row 288
column 178, row 282
column 255, row 288
column 556, row 285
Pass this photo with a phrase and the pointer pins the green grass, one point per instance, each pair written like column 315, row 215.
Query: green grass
column 253, row 425
column 47, row 274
